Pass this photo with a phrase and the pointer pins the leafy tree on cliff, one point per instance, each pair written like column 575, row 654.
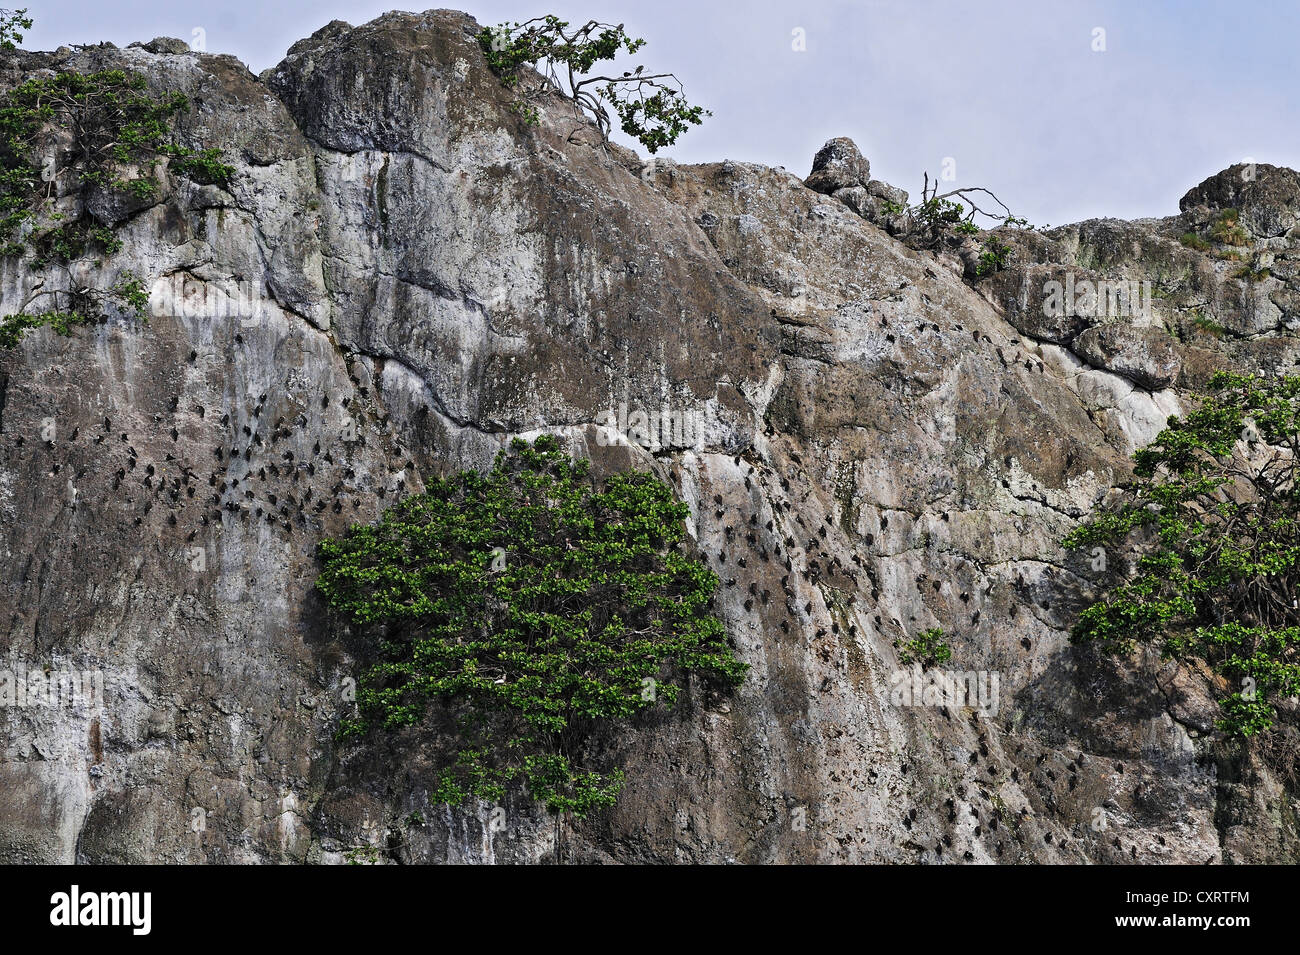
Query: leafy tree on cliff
column 63, row 137
column 535, row 607
column 1214, row 512
column 12, row 22
column 651, row 107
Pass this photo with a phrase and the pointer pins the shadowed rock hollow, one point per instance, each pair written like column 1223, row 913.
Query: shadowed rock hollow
column 889, row 443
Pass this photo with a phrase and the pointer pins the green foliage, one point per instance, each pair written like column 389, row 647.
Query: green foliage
column 13, row 326
column 1227, row 229
column 131, row 293
column 1214, row 511
column 935, row 219
column 67, row 135
column 1194, row 241
column 11, row 21
column 651, row 108
column 939, row 215
column 68, row 241
column 655, row 118
column 536, row 608
column 114, row 134
column 926, row 648
column 994, row 258
column 362, row 855
column 530, row 114
column 203, row 166
column 83, row 307
column 1208, row 325
column 1251, row 273
column 940, row 220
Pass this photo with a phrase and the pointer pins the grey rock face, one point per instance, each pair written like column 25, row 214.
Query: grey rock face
column 1268, row 197
column 1146, row 355
column 838, row 165
column 883, row 190
column 402, row 276
column 871, row 201
column 1025, row 294
column 1218, row 298
column 858, row 199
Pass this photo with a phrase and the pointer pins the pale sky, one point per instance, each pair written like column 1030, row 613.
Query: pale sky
column 1012, row 91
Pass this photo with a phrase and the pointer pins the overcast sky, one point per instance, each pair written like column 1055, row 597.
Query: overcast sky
column 1014, row 92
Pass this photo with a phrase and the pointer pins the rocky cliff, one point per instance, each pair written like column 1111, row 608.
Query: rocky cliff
column 401, row 276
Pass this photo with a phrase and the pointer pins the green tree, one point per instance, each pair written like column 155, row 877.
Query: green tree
column 61, row 136
column 651, row 107
column 538, row 607
column 11, row 22
column 1214, row 514
column 117, row 132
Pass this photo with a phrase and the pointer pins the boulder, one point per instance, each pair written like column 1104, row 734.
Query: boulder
column 838, row 165
column 1267, row 197
column 165, row 44
column 883, row 190
column 1144, row 355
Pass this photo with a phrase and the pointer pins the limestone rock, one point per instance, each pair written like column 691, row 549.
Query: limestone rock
column 1145, row 355
column 858, row 199
column 165, row 44
column 1025, row 294
column 883, row 190
column 838, row 165
column 402, row 276
column 1267, row 197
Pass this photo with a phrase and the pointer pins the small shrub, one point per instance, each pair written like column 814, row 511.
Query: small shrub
column 938, row 219
column 926, row 648
column 1227, row 229
column 13, row 326
column 994, row 258
column 117, row 134
column 1249, row 273
column 1208, row 325
column 202, row 166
